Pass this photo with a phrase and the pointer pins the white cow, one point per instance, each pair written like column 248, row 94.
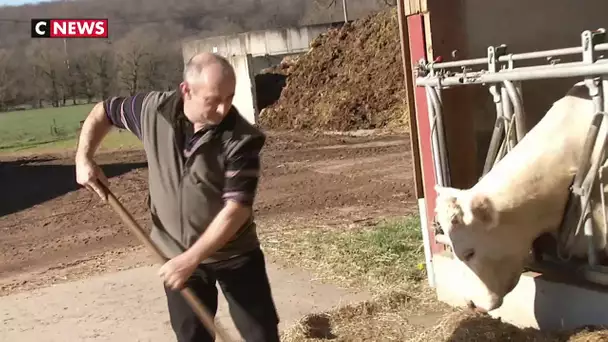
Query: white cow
column 491, row 226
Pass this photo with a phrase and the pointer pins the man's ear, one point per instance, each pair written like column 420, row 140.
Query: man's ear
column 482, row 210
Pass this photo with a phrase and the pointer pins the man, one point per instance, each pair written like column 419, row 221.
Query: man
column 203, row 166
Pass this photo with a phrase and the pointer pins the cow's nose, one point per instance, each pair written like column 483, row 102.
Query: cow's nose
column 473, row 307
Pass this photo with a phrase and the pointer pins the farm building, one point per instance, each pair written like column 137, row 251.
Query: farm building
column 457, row 53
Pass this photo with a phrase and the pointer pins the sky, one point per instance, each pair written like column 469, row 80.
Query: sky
column 18, row 2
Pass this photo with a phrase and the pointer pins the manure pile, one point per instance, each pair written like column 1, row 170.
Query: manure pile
column 352, row 78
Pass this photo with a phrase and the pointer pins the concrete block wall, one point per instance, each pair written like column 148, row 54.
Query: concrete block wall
column 258, row 43
column 245, row 91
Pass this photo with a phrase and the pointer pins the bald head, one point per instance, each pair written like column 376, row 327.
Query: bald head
column 208, row 89
column 208, row 67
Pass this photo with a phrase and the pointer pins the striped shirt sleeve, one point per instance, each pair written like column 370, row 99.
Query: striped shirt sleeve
column 125, row 112
column 243, row 170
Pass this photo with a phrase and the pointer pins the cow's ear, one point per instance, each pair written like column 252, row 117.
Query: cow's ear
column 445, row 191
column 446, row 205
column 483, row 210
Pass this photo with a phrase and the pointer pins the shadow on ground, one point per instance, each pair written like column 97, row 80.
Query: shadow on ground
column 28, row 182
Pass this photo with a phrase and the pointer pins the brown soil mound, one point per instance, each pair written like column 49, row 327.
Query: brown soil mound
column 352, row 78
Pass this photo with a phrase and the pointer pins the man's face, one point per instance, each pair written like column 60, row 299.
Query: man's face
column 208, row 102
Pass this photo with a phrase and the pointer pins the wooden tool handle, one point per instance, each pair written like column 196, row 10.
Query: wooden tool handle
column 195, row 303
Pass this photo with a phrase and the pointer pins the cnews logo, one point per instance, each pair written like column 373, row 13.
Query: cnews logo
column 69, row 28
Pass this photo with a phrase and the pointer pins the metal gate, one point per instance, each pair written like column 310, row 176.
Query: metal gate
column 498, row 70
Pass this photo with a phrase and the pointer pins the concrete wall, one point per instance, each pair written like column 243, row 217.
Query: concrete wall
column 245, row 91
column 470, row 26
column 258, row 43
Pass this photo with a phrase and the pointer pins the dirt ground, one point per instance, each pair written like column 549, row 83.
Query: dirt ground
column 52, row 231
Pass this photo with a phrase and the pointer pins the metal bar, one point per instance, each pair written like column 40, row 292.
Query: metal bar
column 504, row 148
column 586, row 197
column 520, row 93
column 501, row 151
column 585, row 193
column 507, row 109
column 582, row 70
column 345, row 10
column 519, row 56
column 576, row 188
column 440, row 134
column 601, row 172
column 462, row 63
column 518, row 110
column 588, row 40
column 588, row 183
column 434, row 139
column 602, row 185
column 497, row 136
column 496, row 92
column 527, row 68
column 498, row 132
column 443, row 150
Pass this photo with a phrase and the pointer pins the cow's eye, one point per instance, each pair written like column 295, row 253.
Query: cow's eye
column 468, row 255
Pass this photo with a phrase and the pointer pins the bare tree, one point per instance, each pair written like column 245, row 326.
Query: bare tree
column 47, row 61
column 84, row 74
column 135, row 54
column 7, row 79
column 162, row 70
column 103, row 64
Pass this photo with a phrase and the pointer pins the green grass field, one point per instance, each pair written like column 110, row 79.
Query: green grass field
column 52, row 129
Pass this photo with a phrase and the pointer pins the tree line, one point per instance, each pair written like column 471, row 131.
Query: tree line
column 144, row 49
column 58, row 72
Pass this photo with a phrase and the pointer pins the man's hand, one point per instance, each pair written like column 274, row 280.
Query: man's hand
column 88, row 174
column 176, row 271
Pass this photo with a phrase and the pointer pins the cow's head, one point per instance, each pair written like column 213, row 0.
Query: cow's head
column 492, row 254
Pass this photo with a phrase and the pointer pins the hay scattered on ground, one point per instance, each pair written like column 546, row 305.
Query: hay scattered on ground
column 389, row 317
column 384, row 258
column 417, row 317
column 352, row 78
column 465, row 326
